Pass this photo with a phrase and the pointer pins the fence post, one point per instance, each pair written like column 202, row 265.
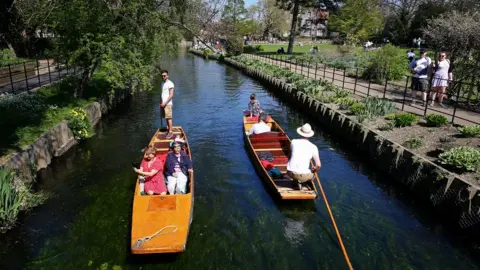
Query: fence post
column 324, row 70
column 11, row 79
column 316, row 66
column 405, row 93
column 456, row 103
column 386, row 83
column 38, row 72
column 426, row 102
column 26, row 77
column 290, row 61
column 49, row 74
column 301, row 68
column 58, row 68
column 296, row 65
column 333, row 76
column 368, row 91
column 343, row 82
column 356, row 78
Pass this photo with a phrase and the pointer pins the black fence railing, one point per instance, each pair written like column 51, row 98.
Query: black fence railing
column 461, row 103
column 28, row 75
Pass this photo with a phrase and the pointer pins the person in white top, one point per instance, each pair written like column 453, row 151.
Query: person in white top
column 261, row 126
column 166, row 104
column 301, row 153
column 442, row 76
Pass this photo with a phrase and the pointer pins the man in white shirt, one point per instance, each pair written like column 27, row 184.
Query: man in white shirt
column 261, row 126
column 419, row 68
column 166, row 103
column 302, row 152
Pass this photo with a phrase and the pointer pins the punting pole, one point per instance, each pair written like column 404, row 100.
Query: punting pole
column 334, row 224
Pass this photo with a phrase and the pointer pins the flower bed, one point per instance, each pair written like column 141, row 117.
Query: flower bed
column 430, row 137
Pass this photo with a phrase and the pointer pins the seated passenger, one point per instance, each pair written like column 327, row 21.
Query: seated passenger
column 152, row 167
column 261, row 126
column 254, row 106
column 178, row 165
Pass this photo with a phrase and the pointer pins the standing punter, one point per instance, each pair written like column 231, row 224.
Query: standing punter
column 166, row 104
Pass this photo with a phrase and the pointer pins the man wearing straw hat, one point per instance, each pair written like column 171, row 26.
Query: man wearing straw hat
column 302, row 152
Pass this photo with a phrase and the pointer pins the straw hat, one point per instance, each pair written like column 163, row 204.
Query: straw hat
column 305, row 131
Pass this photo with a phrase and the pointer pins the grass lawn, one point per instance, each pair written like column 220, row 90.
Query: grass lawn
column 327, row 49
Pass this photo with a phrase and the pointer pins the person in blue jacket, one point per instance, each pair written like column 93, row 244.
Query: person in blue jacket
column 178, row 165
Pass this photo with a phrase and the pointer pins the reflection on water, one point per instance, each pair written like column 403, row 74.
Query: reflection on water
column 236, row 223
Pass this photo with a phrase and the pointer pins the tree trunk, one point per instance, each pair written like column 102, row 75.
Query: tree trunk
column 293, row 29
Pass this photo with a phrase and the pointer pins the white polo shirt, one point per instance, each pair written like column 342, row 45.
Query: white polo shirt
column 259, row 128
column 166, row 91
column 302, row 153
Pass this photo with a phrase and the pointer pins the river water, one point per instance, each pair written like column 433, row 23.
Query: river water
column 236, row 225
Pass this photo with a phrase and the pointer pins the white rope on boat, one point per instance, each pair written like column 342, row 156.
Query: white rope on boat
column 148, row 238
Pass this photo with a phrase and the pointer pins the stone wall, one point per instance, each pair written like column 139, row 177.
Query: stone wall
column 452, row 197
column 56, row 141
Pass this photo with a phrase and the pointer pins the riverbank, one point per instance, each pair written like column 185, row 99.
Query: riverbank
column 42, row 126
column 448, row 193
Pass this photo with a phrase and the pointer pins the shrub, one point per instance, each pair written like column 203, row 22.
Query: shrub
column 234, row 45
column 414, row 142
column 325, row 97
column 345, row 103
column 341, row 93
column 446, row 139
column 252, row 49
column 462, row 158
column 378, row 107
column 436, row 120
column 386, row 60
column 10, row 199
column 357, row 108
column 405, row 119
column 387, row 127
column 79, row 124
column 390, row 116
column 470, row 131
column 207, row 53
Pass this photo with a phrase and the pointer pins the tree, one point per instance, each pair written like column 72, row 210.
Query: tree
column 294, row 7
column 358, row 20
column 124, row 37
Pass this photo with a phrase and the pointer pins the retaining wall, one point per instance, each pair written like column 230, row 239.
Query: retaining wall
column 56, row 141
column 455, row 199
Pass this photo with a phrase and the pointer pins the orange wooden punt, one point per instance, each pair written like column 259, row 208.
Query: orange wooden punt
column 167, row 218
column 277, row 143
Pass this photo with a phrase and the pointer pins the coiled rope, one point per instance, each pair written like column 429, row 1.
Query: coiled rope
column 148, row 238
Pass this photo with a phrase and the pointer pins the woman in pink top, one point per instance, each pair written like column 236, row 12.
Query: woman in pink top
column 152, row 168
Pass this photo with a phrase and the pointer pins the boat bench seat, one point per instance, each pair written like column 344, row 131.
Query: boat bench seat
column 268, row 137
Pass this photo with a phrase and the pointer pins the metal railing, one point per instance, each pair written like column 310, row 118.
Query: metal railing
column 28, row 75
column 462, row 101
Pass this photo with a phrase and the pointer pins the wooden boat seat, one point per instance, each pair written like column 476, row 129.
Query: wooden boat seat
column 268, row 137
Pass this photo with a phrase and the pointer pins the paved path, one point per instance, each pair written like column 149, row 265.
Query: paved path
column 363, row 88
column 44, row 78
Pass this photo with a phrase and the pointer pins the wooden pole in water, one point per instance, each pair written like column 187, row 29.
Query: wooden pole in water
column 334, row 224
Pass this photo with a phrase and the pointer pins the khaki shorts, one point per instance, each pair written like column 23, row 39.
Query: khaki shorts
column 167, row 112
column 300, row 177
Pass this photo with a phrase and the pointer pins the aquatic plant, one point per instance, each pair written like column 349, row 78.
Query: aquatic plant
column 10, row 200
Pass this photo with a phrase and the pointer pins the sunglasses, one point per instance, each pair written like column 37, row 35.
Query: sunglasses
column 164, row 75
column 442, row 55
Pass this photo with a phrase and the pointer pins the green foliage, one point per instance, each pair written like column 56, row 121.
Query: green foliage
column 357, row 108
column 357, row 20
column 470, row 131
column 414, row 142
column 10, row 200
column 462, row 158
column 252, row 49
column 79, row 124
column 436, row 120
column 234, row 45
column 383, row 62
column 446, row 139
column 405, row 119
column 7, row 57
column 390, row 116
column 345, row 103
column 387, row 127
column 207, row 52
column 378, row 107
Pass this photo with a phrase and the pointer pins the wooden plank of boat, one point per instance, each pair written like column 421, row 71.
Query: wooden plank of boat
column 277, row 144
column 160, row 224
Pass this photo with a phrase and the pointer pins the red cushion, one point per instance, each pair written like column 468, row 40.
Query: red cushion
column 267, row 165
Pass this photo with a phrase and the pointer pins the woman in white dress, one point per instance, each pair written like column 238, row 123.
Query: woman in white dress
column 441, row 78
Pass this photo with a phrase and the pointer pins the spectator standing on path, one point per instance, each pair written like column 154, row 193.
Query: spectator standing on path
column 411, row 55
column 442, row 76
column 166, row 104
column 419, row 68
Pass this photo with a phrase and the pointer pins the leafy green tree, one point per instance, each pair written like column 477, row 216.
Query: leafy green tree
column 358, row 20
column 294, row 7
